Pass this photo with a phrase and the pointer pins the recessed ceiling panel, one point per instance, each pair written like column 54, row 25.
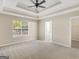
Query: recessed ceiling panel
column 10, row 3
column 24, row 6
column 1, row 3
column 48, row 4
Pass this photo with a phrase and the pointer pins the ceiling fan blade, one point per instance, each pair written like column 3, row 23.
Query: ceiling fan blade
column 32, row 1
column 42, row 6
column 42, row 2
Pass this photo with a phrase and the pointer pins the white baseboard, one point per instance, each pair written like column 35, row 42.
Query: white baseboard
column 46, row 41
column 58, row 43
column 14, row 43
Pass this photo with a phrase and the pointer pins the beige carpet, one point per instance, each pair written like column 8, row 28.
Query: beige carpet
column 39, row 50
column 75, row 44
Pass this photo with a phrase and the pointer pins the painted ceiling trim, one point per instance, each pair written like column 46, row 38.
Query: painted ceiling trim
column 16, row 11
column 17, row 15
column 60, row 13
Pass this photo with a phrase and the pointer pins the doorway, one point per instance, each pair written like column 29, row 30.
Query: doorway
column 75, row 32
column 48, row 31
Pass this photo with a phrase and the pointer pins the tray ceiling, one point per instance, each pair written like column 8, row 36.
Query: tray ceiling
column 48, row 4
column 21, row 7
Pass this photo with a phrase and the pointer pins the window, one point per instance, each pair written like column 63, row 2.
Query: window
column 20, row 28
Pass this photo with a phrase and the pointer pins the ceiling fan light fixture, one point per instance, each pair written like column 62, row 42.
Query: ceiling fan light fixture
column 38, row 4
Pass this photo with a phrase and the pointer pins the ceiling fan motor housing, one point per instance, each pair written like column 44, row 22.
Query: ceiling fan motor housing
column 37, row 3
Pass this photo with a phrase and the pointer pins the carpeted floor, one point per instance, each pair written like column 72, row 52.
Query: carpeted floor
column 39, row 50
column 75, row 44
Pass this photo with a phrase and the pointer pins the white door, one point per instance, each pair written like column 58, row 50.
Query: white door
column 48, row 31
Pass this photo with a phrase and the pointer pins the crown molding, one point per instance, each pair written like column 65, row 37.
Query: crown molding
column 61, row 12
column 17, row 15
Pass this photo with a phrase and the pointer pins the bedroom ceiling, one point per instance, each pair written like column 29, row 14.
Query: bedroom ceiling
column 20, row 7
column 26, row 3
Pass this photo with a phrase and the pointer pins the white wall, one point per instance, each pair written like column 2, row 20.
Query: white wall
column 44, row 33
column 48, row 31
column 61, row 28
column 75, row 28
column 32, row 26
column 6, row 27
column 41, row 31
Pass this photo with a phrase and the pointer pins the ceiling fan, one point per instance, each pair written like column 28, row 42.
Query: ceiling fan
column 37, row 3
